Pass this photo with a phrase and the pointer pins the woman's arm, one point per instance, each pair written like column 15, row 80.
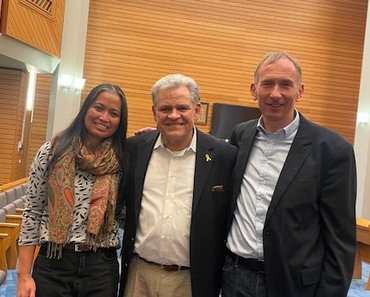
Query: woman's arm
column 26, row 286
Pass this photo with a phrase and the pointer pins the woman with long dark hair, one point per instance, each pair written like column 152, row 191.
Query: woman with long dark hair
column 71, row 204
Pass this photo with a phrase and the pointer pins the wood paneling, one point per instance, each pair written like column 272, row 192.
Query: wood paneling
column 13, row 86
column 218, row 43
column 13, row 184
column 35, row 24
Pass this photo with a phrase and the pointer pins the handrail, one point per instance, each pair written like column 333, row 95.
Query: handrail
column 13, row 184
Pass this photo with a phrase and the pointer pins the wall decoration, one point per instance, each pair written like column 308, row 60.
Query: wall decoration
column 203, row 114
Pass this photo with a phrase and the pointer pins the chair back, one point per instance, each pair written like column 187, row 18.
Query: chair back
column 9, row 208
column 19, row 191
column 25, row 187
column 19, row 203
column 3, row 201
column 2, row 216
column 10, row 195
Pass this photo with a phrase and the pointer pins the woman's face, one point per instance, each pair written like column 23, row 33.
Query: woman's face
column 102, row 118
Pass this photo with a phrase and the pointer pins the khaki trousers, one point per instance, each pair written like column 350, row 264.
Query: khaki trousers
column 148, row 280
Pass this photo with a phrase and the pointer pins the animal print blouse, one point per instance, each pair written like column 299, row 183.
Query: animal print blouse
column 34, row 228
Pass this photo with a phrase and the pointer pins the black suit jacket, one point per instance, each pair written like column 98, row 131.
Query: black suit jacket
column 209, row 208
column 309, row 234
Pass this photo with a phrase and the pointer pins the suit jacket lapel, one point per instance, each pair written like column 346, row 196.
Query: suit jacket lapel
column 299, row 151
column 203, row 163
column 244, row 150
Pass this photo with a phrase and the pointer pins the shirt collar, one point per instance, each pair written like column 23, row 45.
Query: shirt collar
column 192, row 146
column 287, row 130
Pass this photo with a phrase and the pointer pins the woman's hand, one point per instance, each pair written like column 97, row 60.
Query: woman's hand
column 26, row 286
column 144, row 130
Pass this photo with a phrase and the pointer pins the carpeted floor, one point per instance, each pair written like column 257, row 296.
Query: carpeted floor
column 357, row 285
column 8, row 289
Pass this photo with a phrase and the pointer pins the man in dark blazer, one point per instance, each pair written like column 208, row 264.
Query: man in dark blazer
column 292, row 225
column 177, row 193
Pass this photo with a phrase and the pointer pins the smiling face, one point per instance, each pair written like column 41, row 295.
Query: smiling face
column 175, row 114
column 102, row 118
column 277, row 90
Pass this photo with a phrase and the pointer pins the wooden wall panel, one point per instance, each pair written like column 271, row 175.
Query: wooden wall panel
column 13, row 85
column 218, row 43
column 13, row 88
column 36, row 23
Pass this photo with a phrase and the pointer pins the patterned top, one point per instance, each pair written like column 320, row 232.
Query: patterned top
column 34, row 228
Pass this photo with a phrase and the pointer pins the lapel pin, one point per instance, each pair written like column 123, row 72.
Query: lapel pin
column 208, row 158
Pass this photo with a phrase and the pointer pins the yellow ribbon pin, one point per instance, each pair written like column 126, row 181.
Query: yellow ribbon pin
column 208, row 158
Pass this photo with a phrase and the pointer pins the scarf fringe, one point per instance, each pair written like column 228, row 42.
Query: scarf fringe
column 54, row 250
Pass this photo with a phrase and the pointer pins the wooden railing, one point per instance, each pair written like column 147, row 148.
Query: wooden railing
column 10, row 227
column 363, row 248
column 13, row 184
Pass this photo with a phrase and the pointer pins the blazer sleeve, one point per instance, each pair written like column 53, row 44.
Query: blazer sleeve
column 338, row 219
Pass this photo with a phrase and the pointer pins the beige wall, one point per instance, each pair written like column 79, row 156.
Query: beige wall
column 362, row 136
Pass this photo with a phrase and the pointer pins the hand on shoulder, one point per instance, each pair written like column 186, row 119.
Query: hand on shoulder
column 144, row 130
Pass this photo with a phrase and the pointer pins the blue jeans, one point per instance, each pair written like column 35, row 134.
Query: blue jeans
column 77, row 274
column 238, row 281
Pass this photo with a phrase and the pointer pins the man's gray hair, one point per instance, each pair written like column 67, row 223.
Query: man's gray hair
column 272, row 58
column 175, row 81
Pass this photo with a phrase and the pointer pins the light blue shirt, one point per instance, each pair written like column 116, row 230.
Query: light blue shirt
column 265, row 162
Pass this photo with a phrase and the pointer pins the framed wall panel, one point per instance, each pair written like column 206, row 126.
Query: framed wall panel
column 36, row 23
